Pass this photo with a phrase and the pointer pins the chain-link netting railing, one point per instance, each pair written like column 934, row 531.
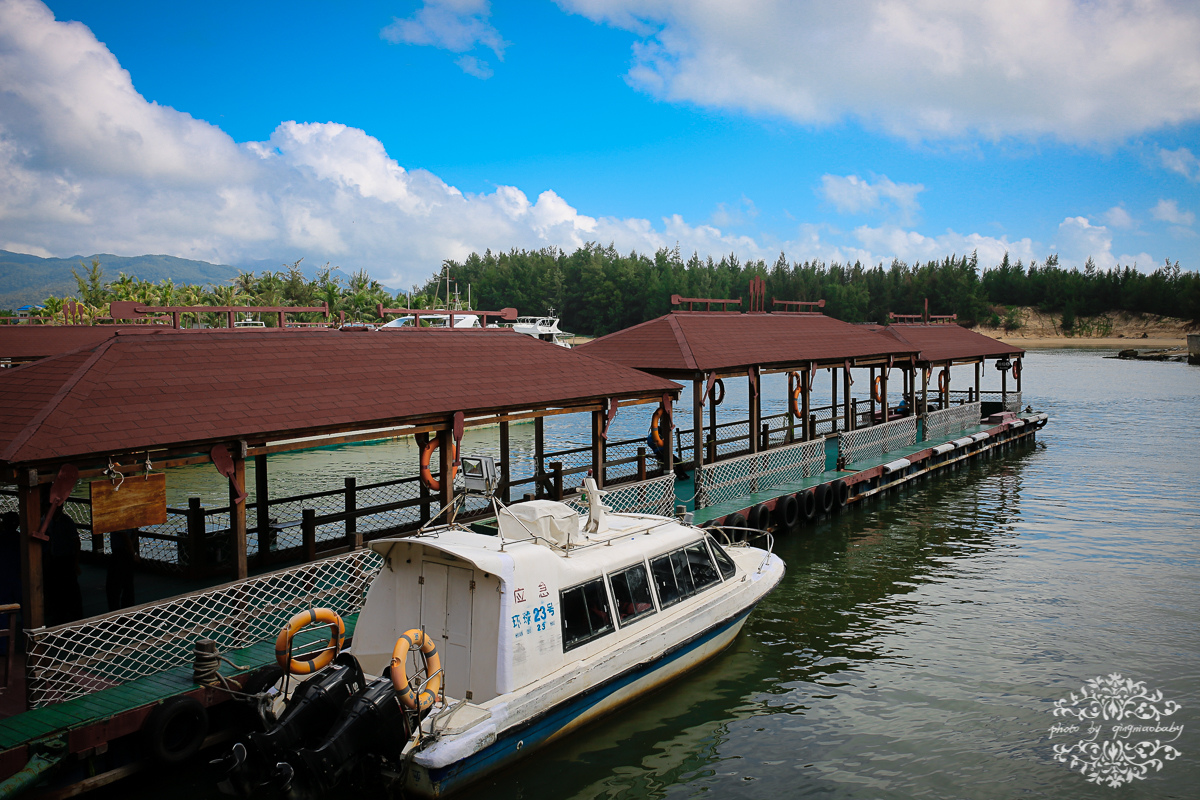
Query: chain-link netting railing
column 949, row 422
column 745, row 475
column 875, row 441
column 1010, row 399
column 655, row 496
column 83, row 657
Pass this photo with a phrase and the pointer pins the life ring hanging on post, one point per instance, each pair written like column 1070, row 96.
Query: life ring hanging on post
column 797, row 393
column 427, row 479
column 1016, row 369
column 713, row 397
column 659, row 437
column 877, row 389
column 944, row 380
column 283, row 643
column 433, row 666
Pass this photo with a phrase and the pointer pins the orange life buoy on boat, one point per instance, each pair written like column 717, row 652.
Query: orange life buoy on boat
column 877, row 389
column 283, row 643
column 944, row 380
column 427, row 479
column 433, row 670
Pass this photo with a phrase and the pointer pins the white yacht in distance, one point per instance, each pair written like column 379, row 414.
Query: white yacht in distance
column 527, row 635
column 544, row 328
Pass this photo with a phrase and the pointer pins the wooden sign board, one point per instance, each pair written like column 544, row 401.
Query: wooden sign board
column 138, row 502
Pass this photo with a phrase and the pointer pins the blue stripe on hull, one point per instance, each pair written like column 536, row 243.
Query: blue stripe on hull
column 533, row 734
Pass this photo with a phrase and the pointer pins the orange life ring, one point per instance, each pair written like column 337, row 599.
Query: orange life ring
column 433, row 666
column 877, row 389
column 1017, row 369
column 283, row 643
column 658, row 439
column 427, row 479
column 797, row 393
column 944, row 380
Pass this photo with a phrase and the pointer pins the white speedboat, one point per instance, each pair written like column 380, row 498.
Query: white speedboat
column 441, row 319
column 540, row 630
column 544, row 328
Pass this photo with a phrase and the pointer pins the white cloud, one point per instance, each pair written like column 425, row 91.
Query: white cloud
column 1169, row 211
column 1181, row 161
column 1079, row 71
column 1118, row 217
column 88, row 165
column 475, row 66
column 854, row 195
column 454, row 25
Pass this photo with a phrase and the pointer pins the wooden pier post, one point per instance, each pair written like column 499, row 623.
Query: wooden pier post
column 847, row 420
column 1019, row 371
column 871, row 392
column 598, row 454
column 29, row 505
column 752, row 433
column 833, row 402
column 197, row 556
column 308, row 533
column 925, row 390
column 262, row 511
column 978, row 364
column 697, row 429
column 237, row 515
column 883, row 393
column 353, row 538
column 641, row 464
column 505, row 472
column 712, row 428
column 539, row 455
column 556, row 469
column 1003, row 389
column 445, row 462
column 810, row 427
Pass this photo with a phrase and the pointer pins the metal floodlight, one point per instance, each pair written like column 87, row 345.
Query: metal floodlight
column 479, row 475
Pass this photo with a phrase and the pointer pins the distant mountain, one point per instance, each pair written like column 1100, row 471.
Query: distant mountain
column 31, row 279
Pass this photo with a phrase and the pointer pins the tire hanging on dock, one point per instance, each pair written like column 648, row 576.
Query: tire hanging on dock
column 824, row 498
column 760, row 517
column 787, row 513
column 841, row 494
column 174, row 731
column 807, row 502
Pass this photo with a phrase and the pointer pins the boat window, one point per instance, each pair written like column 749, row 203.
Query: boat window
column 703, row 571
column 723, row 560
column 631, row 593
column 664, row 581
column 585, row 614
column 683, row 575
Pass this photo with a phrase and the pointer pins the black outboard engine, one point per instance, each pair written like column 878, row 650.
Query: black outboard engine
column 311, row 710
column 372, row 722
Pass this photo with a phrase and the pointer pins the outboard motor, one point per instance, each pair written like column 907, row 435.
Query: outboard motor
column 372, row 722
column 313, row 707
column 311, row 710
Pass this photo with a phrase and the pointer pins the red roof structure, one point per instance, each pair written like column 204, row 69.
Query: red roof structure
column 31, row 342
column 947, row 343
column 681, row 344
column 167, row 389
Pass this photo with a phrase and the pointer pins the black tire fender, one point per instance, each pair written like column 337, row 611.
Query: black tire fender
column 824, row 498
column 736, row 521
column 760, row 517
column 841, row 494
column 807, row 500
column 174, row 731
column 787, row 512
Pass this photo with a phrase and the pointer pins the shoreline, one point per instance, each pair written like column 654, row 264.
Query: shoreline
column 1032, row 343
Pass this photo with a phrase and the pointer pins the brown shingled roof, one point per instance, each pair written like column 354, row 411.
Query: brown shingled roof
column 30, row 342
column 701, row 342
column 946, row 342
column 171, row 388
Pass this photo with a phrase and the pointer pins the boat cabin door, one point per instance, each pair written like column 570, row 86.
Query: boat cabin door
column 446, row 602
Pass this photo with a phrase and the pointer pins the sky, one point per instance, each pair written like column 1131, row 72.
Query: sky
column 389, row 136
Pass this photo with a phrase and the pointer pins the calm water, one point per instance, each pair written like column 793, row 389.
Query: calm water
column 917, row 644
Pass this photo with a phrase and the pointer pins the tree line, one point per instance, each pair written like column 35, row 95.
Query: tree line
column 598, row 290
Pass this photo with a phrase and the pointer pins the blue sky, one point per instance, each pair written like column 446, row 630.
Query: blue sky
column 392, row 135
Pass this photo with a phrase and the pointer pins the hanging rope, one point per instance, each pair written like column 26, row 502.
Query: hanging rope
column 113, row 473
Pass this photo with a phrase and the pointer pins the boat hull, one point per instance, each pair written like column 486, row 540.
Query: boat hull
column 574, row 713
